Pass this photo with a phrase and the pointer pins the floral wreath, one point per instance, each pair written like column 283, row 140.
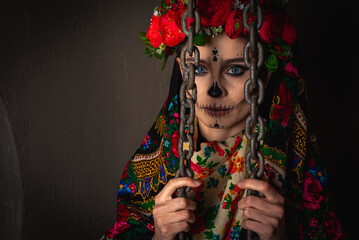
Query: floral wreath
column 165, row 34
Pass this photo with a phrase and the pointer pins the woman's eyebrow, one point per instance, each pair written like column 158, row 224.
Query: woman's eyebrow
column 232, row 60
column 191, row 59
column 226, row 62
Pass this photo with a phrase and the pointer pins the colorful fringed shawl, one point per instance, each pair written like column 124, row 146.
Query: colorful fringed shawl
column 292, row 163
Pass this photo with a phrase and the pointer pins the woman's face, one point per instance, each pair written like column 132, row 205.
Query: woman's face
column 220, row 80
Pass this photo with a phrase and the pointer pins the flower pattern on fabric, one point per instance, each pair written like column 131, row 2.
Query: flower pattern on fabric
column 293, row 166
column 218, row 195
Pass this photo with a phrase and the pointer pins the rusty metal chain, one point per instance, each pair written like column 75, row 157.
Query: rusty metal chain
column 254, row 63
column 187, row 99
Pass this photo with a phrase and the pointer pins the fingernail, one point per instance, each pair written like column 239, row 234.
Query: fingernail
column 240, row 184
column 197, row 183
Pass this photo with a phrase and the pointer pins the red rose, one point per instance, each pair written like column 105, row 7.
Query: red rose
column 272, row 27
column 180, row 8
column 282, row 106
column 174, row 143
column 214, row 13
column 171, row 34
column 234, row 25
column 153, row 32
column 289, row 35
column 311, row 192
column 251, row 18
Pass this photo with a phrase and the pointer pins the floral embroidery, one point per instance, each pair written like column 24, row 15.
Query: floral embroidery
column 292, row 162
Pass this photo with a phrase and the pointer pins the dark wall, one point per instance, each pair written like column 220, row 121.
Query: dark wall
column 329, row 57
column 81, row 95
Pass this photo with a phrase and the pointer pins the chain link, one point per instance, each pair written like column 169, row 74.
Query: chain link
column 187, row 99
column 187, row 110
column 254, row 63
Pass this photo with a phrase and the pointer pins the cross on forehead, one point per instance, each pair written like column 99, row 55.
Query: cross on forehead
column 215, row 54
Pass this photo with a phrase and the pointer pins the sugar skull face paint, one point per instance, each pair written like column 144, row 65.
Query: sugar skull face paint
column 215, row 54
column 216, row 111
column 215, row 91
column 220, row 80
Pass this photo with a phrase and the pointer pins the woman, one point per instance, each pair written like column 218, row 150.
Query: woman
column 296, row 202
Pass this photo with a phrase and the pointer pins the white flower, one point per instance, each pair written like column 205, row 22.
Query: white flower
column 241, row 6
column 159, row 51
column 155, row 13
column 161, row 48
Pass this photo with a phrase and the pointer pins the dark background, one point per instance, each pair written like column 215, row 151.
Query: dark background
column 81, row 95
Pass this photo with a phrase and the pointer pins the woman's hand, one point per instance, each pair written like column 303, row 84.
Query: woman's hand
column 173, row 215
column 265, row 216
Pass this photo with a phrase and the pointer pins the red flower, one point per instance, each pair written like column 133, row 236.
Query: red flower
column 151, row 226
column 215, row 145
column 234, row 203
column 311, row 192
column 153, row 32
column 282, row 107
column 180, row 8
column 174, row 143
column 291, row 70
column 122, row 213
column 117, row 228
column 214, row 13
column 234, row 25
column 272, row 27
column 196, row 168
column 332, row 227
column 170, row 32
column 289, row 34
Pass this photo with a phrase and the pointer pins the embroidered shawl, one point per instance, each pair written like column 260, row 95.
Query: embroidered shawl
column 293, row 166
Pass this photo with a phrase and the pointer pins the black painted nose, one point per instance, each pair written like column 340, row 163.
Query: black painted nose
column 215, row 91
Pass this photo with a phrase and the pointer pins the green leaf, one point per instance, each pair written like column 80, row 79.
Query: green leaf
column 210, row 215
column 143, row 36
column 212, row 164
column 199, row 39
column 164, row 5
column 271, row 63
column 227, row 151
column 158, row 55
column 209, row 234
column 164, row 62
column 145, row 40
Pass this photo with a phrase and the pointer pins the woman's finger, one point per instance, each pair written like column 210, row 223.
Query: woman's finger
column 169, row 231
column 265, row 231
column 261, row 204
column 179, row 203
column 262, row 217
column 172, row 185
column 184, row 215
column 261, row 186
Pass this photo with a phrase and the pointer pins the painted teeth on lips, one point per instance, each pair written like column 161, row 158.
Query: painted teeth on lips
column 215, row 110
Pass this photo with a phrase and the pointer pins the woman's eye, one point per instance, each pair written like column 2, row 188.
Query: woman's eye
column 200, row 70
column 236, row 70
